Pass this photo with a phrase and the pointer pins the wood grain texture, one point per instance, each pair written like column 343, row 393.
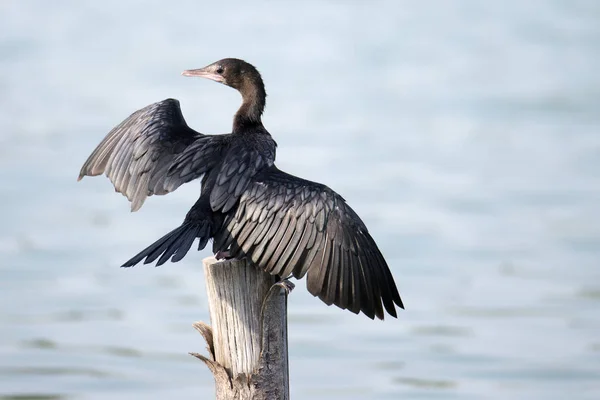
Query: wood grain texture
column 247, row 343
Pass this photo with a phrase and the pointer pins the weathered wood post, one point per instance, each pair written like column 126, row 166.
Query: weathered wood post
column 247, row 339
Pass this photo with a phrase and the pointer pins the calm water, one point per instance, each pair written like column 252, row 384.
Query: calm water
column 466, row 135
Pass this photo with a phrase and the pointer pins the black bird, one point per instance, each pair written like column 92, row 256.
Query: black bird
column 284, row 224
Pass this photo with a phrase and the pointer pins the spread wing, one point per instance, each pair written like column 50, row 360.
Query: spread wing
column 153, row 151
column 290, row 226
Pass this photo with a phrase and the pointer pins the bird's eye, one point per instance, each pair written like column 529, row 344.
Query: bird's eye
column 220, row 70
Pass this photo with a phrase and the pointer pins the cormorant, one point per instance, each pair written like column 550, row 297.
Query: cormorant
column 284, row 224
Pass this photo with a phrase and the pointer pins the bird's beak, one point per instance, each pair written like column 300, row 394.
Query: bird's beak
column 206, row 72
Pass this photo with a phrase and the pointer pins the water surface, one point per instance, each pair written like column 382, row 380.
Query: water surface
column 466, row 134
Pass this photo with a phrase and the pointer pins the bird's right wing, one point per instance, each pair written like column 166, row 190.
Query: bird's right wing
column 291, row 226
column 153, row 151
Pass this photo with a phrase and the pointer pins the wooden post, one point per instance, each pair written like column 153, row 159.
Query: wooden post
column 247, row 343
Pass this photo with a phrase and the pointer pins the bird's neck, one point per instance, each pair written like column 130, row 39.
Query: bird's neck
column 253, row 105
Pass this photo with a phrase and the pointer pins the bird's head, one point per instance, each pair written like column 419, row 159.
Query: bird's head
column 242, row 76
column 232, row 72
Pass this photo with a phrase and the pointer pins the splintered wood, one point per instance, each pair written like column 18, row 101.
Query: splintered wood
column 247, row 342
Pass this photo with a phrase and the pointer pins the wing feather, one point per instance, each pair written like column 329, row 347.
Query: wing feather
column 150, row 152
column 298, row 228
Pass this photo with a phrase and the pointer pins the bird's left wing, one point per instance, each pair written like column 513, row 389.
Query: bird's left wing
column 153, row 151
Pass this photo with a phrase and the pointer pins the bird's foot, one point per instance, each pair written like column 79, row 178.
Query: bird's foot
column 286, row 285
column 223, row 255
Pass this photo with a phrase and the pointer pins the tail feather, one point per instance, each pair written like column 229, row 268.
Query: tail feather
column 174, row 245
column 204, row 236
column 162, row 245
column 186, row 241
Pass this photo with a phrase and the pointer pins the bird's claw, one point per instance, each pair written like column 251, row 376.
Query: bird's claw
column 286, row 285
column 223, row 255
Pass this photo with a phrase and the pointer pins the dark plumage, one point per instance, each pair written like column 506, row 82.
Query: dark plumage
column 284, row 224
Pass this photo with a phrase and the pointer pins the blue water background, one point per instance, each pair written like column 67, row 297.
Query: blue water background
column 465, row 133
